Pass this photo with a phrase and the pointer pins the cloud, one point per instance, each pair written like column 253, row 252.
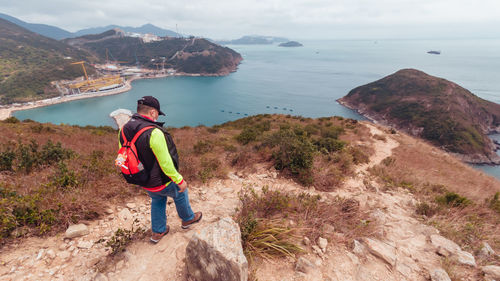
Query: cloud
column 232, row 18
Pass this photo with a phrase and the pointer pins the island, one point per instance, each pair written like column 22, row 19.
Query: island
column 253, row 40
column 434, row 109
column 291, row 44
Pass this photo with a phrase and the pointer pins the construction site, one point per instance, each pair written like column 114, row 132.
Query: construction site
column 110, row 76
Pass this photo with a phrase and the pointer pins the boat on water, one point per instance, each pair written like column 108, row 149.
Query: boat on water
column 434, row 52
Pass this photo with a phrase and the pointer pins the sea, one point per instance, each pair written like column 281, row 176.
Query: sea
column 303, row 81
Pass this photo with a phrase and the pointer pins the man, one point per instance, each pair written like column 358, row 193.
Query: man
column 156, row 151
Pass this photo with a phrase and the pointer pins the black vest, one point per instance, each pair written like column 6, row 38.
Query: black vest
column 145, row 154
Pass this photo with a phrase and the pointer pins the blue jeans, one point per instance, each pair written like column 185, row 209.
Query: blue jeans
column 159, row 204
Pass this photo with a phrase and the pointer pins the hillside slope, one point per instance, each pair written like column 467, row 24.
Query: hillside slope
column 433, row 108
column 376, row 226
column 29, row 62
column 187, row 55
column 50, row 31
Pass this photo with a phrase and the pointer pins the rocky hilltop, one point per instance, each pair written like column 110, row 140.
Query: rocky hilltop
column 432, row 108
column 185, row 55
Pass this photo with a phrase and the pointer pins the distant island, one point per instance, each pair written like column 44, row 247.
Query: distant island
column 434, row 52
column 434, row 109
column 253, row 40
column 291, row 44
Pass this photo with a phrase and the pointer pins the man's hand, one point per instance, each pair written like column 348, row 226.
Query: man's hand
column 183, row 186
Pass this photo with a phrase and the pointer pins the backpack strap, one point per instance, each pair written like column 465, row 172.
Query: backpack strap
column 138, row 134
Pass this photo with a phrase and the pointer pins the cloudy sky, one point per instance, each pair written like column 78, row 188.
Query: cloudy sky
column 300, row 19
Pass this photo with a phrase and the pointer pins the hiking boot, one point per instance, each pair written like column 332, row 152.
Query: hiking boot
column 155, row 238
column 197, row 218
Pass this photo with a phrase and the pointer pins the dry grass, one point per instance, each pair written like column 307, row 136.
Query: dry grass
column 80, row 188
column 455, row 198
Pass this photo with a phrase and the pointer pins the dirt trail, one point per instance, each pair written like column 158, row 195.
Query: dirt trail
column 400, row 251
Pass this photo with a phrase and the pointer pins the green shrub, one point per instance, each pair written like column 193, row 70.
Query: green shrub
column 11, row 120
column 23, row 210
column 329, row 144
column 453, row 199
column 426, row 209
column 64, row 177
column 248, row 135
column 332, row 132
column 295, row 152
column 6, row 160
column 202, row 147
column 208, row 169
column 122, row 238
column 495, row 202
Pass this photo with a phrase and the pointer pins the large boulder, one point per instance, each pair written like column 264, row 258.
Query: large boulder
column 215, row 253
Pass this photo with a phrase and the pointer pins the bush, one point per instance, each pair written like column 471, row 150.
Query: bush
column 11, row 120
column 23, row 210
column 453, row 199
column 208, row 169
column 6, row 159
column 495, row 202
column 64, row 177
column 248, row 135
column 425, row 209
column 202, row 147
column 295, row 152
column 332, row 132
column 122, row 238
column 329, row 144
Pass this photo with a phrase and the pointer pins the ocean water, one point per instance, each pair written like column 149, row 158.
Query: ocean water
column 300, row 81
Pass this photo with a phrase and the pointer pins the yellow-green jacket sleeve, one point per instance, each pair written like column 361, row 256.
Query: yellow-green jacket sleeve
column 159, row 147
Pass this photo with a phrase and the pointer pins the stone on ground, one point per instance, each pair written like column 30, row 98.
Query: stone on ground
column 304, row 265
column 439, row 274
column 492, row 271
column 76, row 230
column 381, row 250
column 215, row 253
column 486, row 250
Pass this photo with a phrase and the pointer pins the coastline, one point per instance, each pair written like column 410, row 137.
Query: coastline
column 6, row 112
column 474, row 159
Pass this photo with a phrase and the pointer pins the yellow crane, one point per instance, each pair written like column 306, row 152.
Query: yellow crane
column 83, row 66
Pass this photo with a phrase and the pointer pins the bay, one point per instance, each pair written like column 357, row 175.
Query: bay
column 306, row 80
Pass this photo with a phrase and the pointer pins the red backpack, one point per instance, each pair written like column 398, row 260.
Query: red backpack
column 128, row 160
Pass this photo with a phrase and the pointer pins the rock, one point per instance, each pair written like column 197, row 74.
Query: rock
column 85, row 244
column 358, row 248
column 109, row 211
column 125, row 215
column 64, row 255
column 439, row 274
column 130, row 205
column 304, row 265
column 444, row 247
column 486, row 250
column 322, row 243
column 76, row 230
column 381, row 250
column 306, row 241
column 466, row 258
column 328, row 229
column 40, row 255
column 317, row 250
column 215, row 253
column 63, row 247
column 492, row 271
column 51, row 254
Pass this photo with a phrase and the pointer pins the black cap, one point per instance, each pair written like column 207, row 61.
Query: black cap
column 151, row 101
